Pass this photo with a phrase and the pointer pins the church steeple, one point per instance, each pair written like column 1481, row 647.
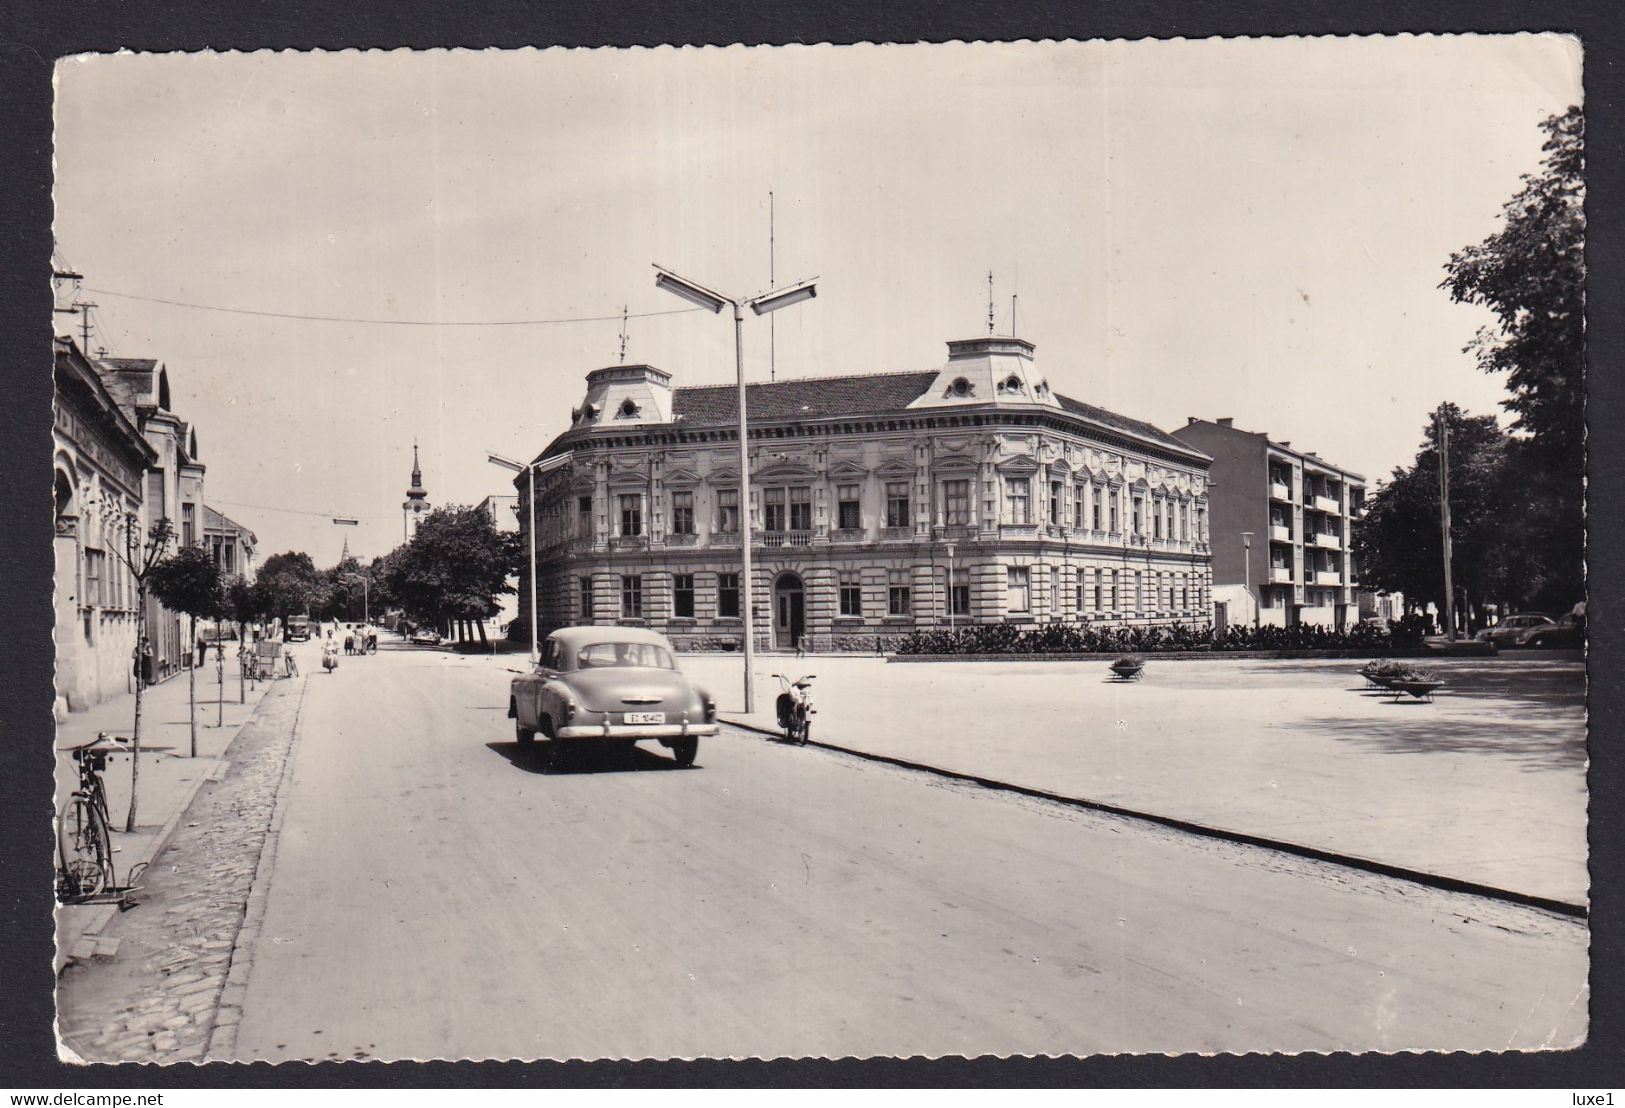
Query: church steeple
column 417, row 498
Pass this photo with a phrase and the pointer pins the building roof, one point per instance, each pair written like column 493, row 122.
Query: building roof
column 857, row 395
column 219, row 521
column 1309, row 457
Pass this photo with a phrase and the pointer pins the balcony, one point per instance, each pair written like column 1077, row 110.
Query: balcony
column 1280, row 534
column 1018, row 530
column 1328, row 541
column 896, row 534
column 1328, row 505
column 1328, row 577
column 954, row 532
column 1280, row 575
column 581, row 545
column 783, row 538
column 1280, row 492
column 848, row 534
column 682, row 538
column 723, row 538
column 628, row 542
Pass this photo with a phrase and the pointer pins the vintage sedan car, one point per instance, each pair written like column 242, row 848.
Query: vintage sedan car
column 1568, row 631
column 1513, row 630
column 424, row 636
column 614, row 684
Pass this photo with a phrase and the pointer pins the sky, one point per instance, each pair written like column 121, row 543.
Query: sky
column 1246, row 228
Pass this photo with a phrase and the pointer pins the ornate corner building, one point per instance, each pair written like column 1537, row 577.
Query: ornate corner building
column 875, row 505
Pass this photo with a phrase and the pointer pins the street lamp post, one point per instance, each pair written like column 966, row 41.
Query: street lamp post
column 366, row 603
column 770, row 301
column 530, row 538
column 1247, row 573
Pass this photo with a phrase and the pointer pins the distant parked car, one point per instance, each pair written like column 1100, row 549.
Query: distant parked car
column 1568, row 631
column 1513, row 630
column 425, row 636
column 615, row 684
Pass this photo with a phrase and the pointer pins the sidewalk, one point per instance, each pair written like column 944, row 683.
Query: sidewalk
column 1486, row 785
column 169, row 778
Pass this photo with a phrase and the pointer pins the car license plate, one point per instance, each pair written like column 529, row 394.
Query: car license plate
column 646, row 717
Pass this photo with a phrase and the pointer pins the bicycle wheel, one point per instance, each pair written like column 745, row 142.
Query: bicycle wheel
column 84, row 847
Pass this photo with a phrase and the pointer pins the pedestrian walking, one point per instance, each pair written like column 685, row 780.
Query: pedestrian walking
column 202, row 650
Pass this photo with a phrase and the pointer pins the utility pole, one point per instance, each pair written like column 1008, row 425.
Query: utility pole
column 84, row 323
column 772, row 324
column 1444, row 521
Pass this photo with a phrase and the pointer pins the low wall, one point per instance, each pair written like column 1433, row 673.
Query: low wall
column 1168, row 655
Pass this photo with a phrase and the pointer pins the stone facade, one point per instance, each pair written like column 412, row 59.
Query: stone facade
column 876, row 505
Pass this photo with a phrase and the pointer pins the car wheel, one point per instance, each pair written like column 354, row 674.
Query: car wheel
column 522, row 734
column 684, row 750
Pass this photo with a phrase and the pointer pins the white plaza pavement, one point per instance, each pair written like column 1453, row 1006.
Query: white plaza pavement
column 1486, row 784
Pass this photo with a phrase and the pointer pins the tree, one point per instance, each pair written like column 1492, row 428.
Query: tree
column 454, row 568
column 140, row 552
column 293, row 586
column 1398, row 545
column 1531, row 274
column 189, row 582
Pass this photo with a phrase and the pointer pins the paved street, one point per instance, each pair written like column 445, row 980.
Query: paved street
column 434, row 895
column 1290, row 749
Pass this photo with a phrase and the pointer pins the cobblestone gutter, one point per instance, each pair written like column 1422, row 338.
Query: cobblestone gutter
column 175, row 992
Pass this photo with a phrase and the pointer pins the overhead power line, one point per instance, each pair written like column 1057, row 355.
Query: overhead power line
column 390, row 322
column 268, row 508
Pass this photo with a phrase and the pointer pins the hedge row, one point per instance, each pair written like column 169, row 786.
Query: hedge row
column 1072, row 638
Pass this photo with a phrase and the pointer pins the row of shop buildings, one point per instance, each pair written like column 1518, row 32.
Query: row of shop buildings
column 122, row 460
column 884, row 503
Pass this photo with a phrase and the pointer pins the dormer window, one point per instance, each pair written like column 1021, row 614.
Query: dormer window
column 1041, row 389
column 961, row 387
column 1011, row 383
column 629, row 409
column 589, row 413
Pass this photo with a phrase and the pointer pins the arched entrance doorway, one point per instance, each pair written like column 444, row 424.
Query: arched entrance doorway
column 789, row 612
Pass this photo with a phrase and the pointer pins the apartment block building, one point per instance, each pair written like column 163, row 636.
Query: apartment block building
column 1282, row 527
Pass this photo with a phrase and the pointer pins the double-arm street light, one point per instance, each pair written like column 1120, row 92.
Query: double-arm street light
column 530, row 537
column 770, row 301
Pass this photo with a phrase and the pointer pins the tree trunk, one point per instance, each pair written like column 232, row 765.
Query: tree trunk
column 191, row 690
column 140, row 687
column 479, row 624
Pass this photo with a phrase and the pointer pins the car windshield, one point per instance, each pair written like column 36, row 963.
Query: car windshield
column 624, row 654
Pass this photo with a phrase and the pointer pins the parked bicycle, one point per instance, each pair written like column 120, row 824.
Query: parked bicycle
column 84, row 832
column 795, row 706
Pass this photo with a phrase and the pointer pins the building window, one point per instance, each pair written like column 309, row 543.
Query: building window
column 848, row 508
column 1018, row 590
column 959, row 600
column 631, row 514
column 1080, row 507
column 584, row 517
column 1157, row 505
column 1097, row 590
column 1080, row 603
column 773, row 504
column 632, row 597
column 188, row 524
column 1184, row 521
column 586, row 598
column 801, row 508
column 728, row 595
column 1139, row 591
column 897, row 594
column 956, row 503
column 897, row 504
column 851, row 595
column 728, row 511
column 1017, row 500
column 1113, row 596
column 95, row 577
column 1112, row 498
column 1055, row 590
column 1056, row 490
column 1139, row 515
column 682, row 513
column 682, row 595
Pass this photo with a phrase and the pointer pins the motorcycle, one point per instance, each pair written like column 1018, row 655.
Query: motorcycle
column 795, row 706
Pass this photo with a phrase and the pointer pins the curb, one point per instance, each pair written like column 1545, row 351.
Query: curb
column 1351, row 861
column 228, row 1012
column 104, row 913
